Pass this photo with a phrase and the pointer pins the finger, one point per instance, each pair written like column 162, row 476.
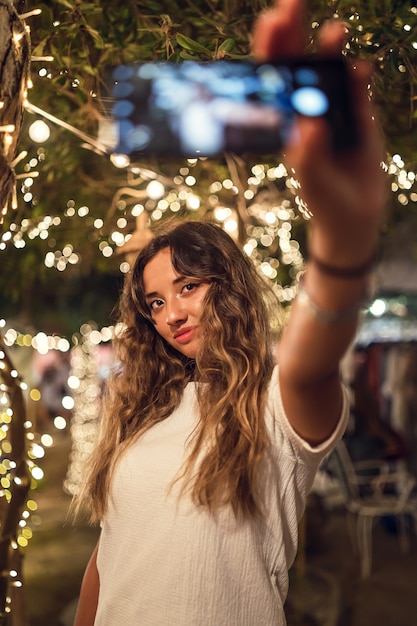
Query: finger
column 309, row 136
column 280, row 32
column 332, row 36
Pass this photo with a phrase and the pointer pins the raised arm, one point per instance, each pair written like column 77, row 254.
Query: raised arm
column 87, row 605
column 346, row 195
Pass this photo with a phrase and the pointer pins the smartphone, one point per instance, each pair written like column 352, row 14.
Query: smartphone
column 194, row 109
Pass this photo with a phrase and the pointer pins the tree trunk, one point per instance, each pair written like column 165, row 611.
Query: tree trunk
column 14, row 71
column 10, row 511
column 14, row 74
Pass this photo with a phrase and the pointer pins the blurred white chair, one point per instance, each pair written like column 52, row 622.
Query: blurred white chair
column 371, row 491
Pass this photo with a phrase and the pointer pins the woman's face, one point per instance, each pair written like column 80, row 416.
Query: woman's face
column 175, row 303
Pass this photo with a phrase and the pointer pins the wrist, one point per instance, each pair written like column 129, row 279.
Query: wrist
column 331, row 315
column 342, row 248
column 352, row 271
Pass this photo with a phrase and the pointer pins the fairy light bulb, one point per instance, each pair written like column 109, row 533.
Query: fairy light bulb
column 155, row 190
column 120, row 160
column 39, row 131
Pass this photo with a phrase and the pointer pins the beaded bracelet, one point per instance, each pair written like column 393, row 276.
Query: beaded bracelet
column 329, row 317
column 347, row 273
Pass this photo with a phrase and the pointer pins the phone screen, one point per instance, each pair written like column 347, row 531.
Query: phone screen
column 196, row 109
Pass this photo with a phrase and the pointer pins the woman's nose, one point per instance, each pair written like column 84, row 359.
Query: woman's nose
column 175, row 312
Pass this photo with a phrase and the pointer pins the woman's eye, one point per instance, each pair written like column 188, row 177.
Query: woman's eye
column 155, row 304
column 189, row 287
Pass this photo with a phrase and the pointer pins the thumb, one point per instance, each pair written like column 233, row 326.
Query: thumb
column 280, row 32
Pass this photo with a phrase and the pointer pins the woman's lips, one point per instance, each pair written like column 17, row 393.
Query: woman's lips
column 184, row 335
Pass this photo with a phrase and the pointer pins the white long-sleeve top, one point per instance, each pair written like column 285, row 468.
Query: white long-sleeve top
column 162, row 561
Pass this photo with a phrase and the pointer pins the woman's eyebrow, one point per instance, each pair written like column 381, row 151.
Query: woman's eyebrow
column 177, row 280
column 152, row 294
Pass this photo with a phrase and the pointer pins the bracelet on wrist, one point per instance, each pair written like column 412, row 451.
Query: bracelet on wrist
column 359, row 271
column 326, row 317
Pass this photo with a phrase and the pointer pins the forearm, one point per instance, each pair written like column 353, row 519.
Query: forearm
column 322, row 325
column 87, row 604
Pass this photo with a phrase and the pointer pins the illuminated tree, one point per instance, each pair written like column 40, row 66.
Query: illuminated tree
column 81, row 208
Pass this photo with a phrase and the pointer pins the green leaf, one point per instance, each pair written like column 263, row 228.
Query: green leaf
column 190, row 44
column 66, row 3
column 227, row 45
column 95, row 35
column 90, row 9
column 239, row 56
column 186, row 56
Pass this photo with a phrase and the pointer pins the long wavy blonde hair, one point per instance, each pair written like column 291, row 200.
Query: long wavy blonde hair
column 234, row 363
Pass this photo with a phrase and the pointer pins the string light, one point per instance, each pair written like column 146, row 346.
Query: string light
column 32, row 13
column 86, row 382
column 272, row 218
column 39, row 131
column 18, row 470
column 273, row 214
column 403, row 187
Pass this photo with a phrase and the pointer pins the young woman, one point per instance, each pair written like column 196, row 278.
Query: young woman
column 208, row 449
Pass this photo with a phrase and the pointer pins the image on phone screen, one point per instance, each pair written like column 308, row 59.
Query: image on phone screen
column 202, row 109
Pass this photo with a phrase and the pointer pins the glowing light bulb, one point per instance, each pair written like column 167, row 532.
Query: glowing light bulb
column 39, row 131
column 155, row 190
column 378, row 307
column 120, row 160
